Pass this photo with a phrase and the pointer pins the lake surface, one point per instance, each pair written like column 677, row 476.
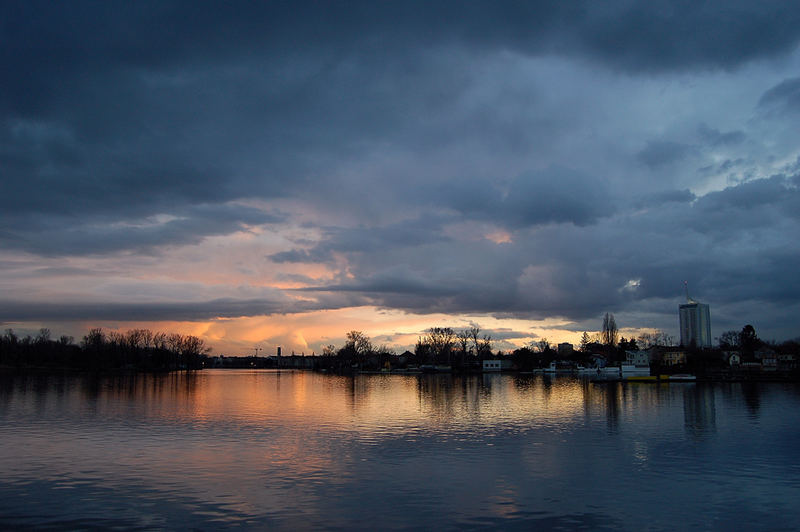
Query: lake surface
column 299, row 450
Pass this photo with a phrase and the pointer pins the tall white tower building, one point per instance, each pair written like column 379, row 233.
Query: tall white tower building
column 695, row 323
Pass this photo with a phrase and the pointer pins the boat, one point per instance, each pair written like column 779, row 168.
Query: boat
column 551, row 368
column 431, row 368
column 630, row 370
column 680, row 377
column 642, row 378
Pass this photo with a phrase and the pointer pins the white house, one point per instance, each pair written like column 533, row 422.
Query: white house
column 496, row 364
column 637, row 358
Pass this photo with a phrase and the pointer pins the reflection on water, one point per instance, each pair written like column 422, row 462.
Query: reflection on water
column 265, row 449
column 698, row 410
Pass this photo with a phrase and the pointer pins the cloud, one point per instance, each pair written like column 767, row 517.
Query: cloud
column 513, row 159
column 105, row 311
column 717, row 138
column 663, row 198
column 783, row 97
column 753, row 204
column 661, row 153
column 63, row 235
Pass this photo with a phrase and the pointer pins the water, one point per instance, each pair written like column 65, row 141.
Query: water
column 294, row 450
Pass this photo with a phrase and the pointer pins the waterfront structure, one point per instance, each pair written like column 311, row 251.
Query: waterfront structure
column 695, row 323
column 565, row 348
column 673, row 358
column 733, row 358
column 637, row 358
column 494, row 364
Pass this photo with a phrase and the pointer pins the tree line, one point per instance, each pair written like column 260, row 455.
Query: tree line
column 438, row 346
column 135, row 349
column 465, row 349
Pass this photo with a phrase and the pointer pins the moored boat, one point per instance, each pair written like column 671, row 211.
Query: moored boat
column 681, row 377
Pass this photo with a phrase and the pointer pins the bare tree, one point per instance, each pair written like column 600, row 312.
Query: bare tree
column 485, row 346
column 160, row 340
column 463, row 342
column 543, row 344
column 441, row 341
column 645, row 340
column 94, row 339
column 729, row 340
column 662, row 338
column 329, row 350
column 610, row 332
column 135, row 338
column 359, row 343
column 44, row 336
column 482, row 344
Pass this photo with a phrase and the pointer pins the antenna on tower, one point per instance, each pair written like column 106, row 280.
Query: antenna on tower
column 686, row 288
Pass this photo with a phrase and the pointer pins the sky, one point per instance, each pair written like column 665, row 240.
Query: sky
column 266, row 174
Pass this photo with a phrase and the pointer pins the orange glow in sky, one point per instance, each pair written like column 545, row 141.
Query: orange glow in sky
column 310, row 332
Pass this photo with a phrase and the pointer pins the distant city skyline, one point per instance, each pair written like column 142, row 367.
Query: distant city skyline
column 281, row 173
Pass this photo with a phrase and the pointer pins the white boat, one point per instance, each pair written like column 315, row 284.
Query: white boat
column 625, row 370
column 632, row 370
column 682, row 377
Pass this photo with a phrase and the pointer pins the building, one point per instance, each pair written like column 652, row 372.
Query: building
column 695, row 323
column 787, row 362
column 495, row 364
column 673, row 358
column 637, row 358
column 733, row 358
column 565, row 348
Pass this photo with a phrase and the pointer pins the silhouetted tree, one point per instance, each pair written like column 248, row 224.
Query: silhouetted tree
column 329, row 350
column 610, row 332
column 729, row 340
column 359, row 342
column 441, row 341
column 525, row 359
column 423, row 352
column 542, row 344
column 44, row 336
column 748, row 340
column 585, row 341
column 463, row 342
column 628, row 345
column 482, row 344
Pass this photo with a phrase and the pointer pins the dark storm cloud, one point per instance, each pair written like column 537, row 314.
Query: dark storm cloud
column 552, row 195
column 416, row 232
column 133, row 126
column 752, row 204
column 668, row 196
column 95, row 234
column 277, row 303
column 132, row 109
column 21, row 311
column 661, row 153
column 716, row 137
column 556, row 195
column 654, row 35
column 783, row 97
column 725, row 242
